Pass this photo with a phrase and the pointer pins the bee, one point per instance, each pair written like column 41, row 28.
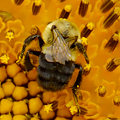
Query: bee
column 58, row 43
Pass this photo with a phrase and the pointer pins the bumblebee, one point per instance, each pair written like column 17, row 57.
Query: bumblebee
column 58, row 43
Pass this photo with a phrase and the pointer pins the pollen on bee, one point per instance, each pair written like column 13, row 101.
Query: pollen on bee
column 102, row 90
column 84, row 42
column 83, row 7
column 87, row 69
column 87, row 29
column 116, row 100
column 107, row 5
column 114, row 40
column 113, row 64
column 66, row 11
column 36, row 6
column 18, row 2
column 112, row 17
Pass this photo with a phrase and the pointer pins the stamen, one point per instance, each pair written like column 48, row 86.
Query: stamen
column 6, row 16
column 107, row 5
column 48, row 108
column 87, row 69
column 10, row 35
column 102, row 91
column 113, row 118
column 108, row 118
column 113, row 64
column 87, row 30
column 35, row 31
column 61, row 0
column 116, row 100
column 18, row 2
column 66, row 11
column 114, row 40
column 73, row 110
column 36, row 6
column 83, row 7
column 83, row 110
column 54, row 105
column 4, row 59
column 112, row 17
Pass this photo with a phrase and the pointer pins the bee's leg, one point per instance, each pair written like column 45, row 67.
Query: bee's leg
column 27, row 42
column 82, row 50
column 76, row 86
column 27, row 63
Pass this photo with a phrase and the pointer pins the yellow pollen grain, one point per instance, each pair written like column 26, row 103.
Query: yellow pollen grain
column 85, row 1
column 73, row 110
column 38, row 2
column 116, row 61
column 117, row 99
column 102, row 89
column 4, row 59
column 117, row 11
column 48, row 108
column 90, row 25
column 70, row 103
column 116, row 37
column 68, row 8
column 114, row 1
column 9, row 35
column 87, row 67
column 84, row 41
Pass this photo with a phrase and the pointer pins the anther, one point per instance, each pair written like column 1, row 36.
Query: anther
column 66, row 11
column 35, row 31
column 83, row 7
column 112, row 118
column 61, row 0
column 112, row 17
column 87, row 69
column 54, row 105
column 18, row 2
column 116, row 100
column 36, row 6
column 114, row 40
column 113, row 64
column 107, row 5
column 83, row 111
column 87, row 29
column 102, row 91
column 6, row 16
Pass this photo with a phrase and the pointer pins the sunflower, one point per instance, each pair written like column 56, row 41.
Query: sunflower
column 21, row 97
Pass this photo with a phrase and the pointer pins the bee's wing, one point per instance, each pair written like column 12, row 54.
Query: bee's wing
column 61, row 52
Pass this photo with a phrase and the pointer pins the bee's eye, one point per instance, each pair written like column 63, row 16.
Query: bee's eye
column 53, row 27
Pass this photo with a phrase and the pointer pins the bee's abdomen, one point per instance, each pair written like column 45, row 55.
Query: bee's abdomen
column 54, row 76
